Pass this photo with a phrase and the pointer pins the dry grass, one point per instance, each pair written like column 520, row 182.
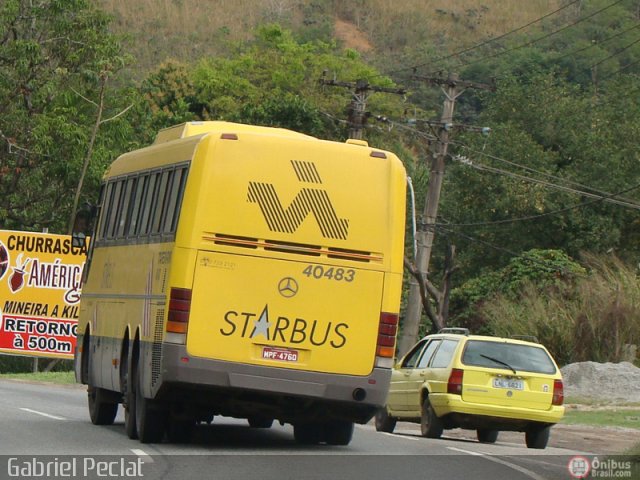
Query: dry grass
column 189, row 29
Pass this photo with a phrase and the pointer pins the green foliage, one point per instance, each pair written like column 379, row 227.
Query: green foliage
column 272, row 80
column 560, row 135
column 53, row 56
column 592, row 319
column 535, row 271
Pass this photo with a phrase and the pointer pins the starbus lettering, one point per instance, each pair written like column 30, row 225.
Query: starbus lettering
column 284, row 329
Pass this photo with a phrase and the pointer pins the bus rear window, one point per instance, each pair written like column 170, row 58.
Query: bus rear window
column 525, row 358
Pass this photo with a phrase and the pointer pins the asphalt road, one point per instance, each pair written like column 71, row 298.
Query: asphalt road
column 47, row 427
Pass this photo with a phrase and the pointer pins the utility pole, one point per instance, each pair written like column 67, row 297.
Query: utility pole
column 452, row 88
column 362, row 90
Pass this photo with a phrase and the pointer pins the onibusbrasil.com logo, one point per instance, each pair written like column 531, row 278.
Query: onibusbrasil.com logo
column 583, row 467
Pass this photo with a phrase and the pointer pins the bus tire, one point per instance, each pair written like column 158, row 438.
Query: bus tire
column 129, row 402
column 150, row 419
column 308, row 433
column 339, row 432
column 179, row 430
column 260, row 422
column 102, row 409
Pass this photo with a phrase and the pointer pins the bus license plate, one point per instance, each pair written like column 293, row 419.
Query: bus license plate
column 280, row 354
column 510, row 383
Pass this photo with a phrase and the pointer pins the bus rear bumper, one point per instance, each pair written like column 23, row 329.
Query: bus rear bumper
column 360, row 393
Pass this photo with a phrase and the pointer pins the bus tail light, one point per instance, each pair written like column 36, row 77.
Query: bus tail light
column 387, row 330
column 454, row 385
column 558, row 393
column 179, row 307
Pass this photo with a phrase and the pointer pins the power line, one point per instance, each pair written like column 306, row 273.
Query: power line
column 616, row 53
column 547, row 184
column 620, row 70
column 596, row 44
column 548, row 175
column 603, row 195
column 506, row 250
column 536, row 40
column 486, row 42
column 541, row 215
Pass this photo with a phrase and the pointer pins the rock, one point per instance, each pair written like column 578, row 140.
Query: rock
column 602, row 382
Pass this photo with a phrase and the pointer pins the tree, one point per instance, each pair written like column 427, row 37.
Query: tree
column 54, row 56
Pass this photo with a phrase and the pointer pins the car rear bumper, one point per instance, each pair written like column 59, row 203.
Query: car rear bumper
column 446, row 404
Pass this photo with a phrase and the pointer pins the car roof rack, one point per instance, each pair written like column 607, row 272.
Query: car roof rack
column 461, row 331
column 526, row 338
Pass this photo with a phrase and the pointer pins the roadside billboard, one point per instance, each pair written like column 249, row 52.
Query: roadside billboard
column 40, row 286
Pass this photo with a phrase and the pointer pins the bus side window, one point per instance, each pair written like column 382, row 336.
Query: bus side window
column 106, row 210
column 116, row 210
column 175, row 200
column 162, row 200
column 149, row 203
column 138, row 202
column 125, row 212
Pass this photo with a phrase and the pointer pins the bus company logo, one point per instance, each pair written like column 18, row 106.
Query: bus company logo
column 288, row 287
column 579, row 467
column 291, row 331
column 308, row 200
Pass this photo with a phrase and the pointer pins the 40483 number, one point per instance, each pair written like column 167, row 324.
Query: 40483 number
column 330, row 273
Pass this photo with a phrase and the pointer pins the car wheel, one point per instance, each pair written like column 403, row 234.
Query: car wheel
column 430, row 424
column 487, row 436
column 385, row 422
column 260, row 422
column 102, row 410
column 537, row 437
column 338, row 432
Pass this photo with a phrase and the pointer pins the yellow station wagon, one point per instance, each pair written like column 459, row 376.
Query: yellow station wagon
column 456, row 380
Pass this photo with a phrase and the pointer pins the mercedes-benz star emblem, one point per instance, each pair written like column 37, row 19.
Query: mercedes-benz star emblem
column 288, row 287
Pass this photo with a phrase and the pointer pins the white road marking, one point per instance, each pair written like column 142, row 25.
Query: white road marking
column 520, row 469
column 401, row 436
column 146, row 458
column 48, row 415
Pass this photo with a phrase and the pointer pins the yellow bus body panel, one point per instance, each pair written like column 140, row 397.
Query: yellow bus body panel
column 323, row 324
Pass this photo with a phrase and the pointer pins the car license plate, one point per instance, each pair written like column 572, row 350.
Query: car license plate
column 281, row 354
column 510, row 383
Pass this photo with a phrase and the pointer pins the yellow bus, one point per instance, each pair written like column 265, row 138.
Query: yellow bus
column 243, row 271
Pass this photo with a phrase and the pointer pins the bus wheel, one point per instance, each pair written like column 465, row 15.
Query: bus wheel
column 339, row 432
column 129, row 402
column 260, row 422
column 102, row 409
column 179, row 430
column 150, row 419
column 308, row 433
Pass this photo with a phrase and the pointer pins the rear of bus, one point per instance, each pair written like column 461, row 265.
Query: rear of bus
column 286, row 275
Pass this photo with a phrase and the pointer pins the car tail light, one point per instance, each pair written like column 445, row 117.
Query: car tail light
column 387, row 330
column 179, row 306
column 558, row 393
column 454, row 385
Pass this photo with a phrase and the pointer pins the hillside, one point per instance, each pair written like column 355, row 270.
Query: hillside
column 189, row 29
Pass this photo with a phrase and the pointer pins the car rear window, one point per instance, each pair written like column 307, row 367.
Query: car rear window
column 525, row 358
